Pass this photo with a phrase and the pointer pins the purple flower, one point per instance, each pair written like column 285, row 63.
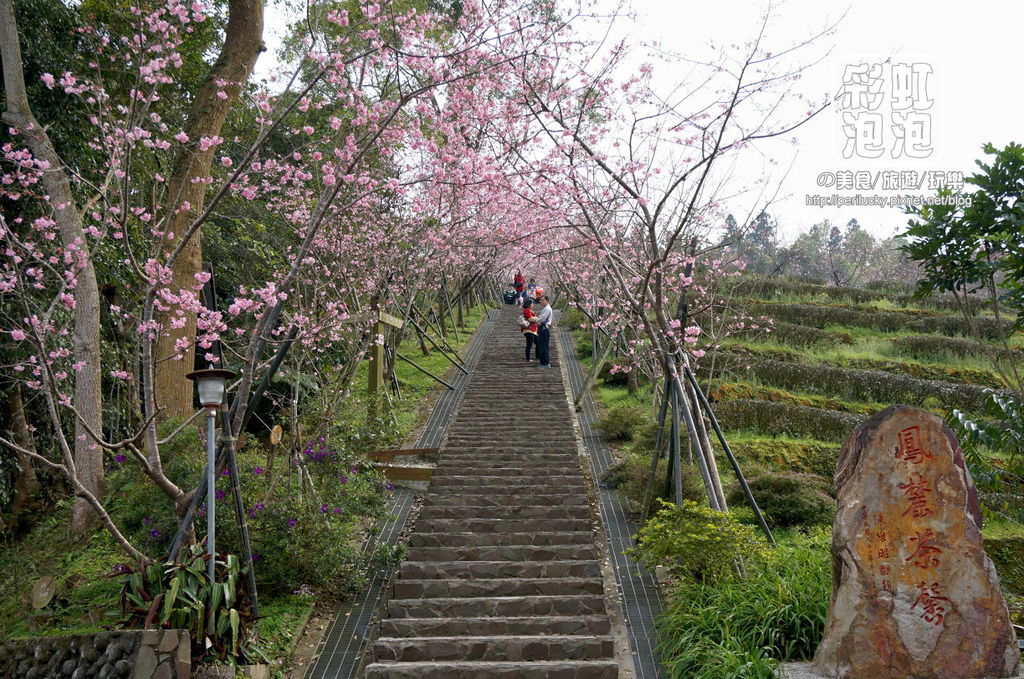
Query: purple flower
column 339, row 510
column 226, row 472
column 390, row 486
column 120, row 457
column 220, row 494
column 343, row 479
column 154, row 533
column 255, row 557
column 257, row 471
column 292, row 522
column 323, row 508
column 121, row 568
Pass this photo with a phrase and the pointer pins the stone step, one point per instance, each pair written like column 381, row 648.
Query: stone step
column 506, row 456
column 468, row 498
column 491, row 512
column 565, row 669
column 526, row 470
column 555, row 483
column 452, row 627
column 489, row 587
column 510, row 553
column 502, row 607
column 423, row 570
column 484, row 526
column 537, row 539
column 493, row 648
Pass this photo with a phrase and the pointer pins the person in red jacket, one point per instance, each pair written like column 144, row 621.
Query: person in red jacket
column 529, row 331
column 519, row 283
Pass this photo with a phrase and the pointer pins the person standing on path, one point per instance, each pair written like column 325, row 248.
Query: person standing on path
column 543, row 324
column 519, row 284
column 529, row 330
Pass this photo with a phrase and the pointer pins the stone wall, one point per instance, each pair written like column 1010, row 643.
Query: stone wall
column 150, row 654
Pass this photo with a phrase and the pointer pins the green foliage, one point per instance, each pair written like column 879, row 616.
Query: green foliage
column 697, row 543
column 994, row 450
column 777, row 419
column 739, row 628
column 620, row 422
column 966, row 248
column 180, row 595
column 789, row 498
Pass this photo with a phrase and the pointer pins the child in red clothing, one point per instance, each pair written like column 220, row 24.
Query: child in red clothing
column 530, row 331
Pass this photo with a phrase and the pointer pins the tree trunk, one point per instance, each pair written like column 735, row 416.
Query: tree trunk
column 25, row 483
column 631, row 381
column 243, row 43
column 88, row 456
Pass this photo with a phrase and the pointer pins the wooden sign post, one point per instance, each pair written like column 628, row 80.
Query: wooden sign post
column 376, row 376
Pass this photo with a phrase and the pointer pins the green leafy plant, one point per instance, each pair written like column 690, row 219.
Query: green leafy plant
column 789, row 498
column 999, row 475
column 742, row 627
column 698, row 544
column 179, row 595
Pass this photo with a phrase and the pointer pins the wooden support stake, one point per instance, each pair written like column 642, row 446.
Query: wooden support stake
column 424, row 371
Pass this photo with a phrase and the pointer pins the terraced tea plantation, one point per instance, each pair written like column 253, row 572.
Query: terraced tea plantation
column 787, row 397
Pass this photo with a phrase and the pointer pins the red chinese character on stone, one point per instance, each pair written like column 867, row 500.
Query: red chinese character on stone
column 930, row 600
column 887, row 585
column 883, row 553
column 924, row 555
column 879, row 519
column 909, row 448
column 916, row 491
column 885, row 569
column 882, row 536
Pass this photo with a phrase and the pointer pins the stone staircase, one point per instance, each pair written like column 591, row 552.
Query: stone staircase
column 502, row 577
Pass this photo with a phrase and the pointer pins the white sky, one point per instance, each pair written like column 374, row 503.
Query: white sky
column 973, row 49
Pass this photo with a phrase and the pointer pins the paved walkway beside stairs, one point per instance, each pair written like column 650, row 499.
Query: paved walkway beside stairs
column 502, row 577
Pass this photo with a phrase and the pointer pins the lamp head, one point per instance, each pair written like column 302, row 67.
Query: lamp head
column 211, row 383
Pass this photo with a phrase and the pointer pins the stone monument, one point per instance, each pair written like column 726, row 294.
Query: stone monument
column 913, row 593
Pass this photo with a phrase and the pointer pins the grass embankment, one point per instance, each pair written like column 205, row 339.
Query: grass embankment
column 84, row 568
column 787, row 399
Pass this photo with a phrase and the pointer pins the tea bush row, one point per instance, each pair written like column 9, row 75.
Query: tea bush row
column 866, row 385
column 802, row 335
column 818, row 316
column 784, row 419
column 926, row 346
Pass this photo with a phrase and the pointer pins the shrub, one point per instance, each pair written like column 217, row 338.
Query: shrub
column 310, row 535
column 620, row 422
column 778, row 419
column 740, row 628
column 789, row 498
column 571, row 318
column 629, row 476
column 697, row 543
